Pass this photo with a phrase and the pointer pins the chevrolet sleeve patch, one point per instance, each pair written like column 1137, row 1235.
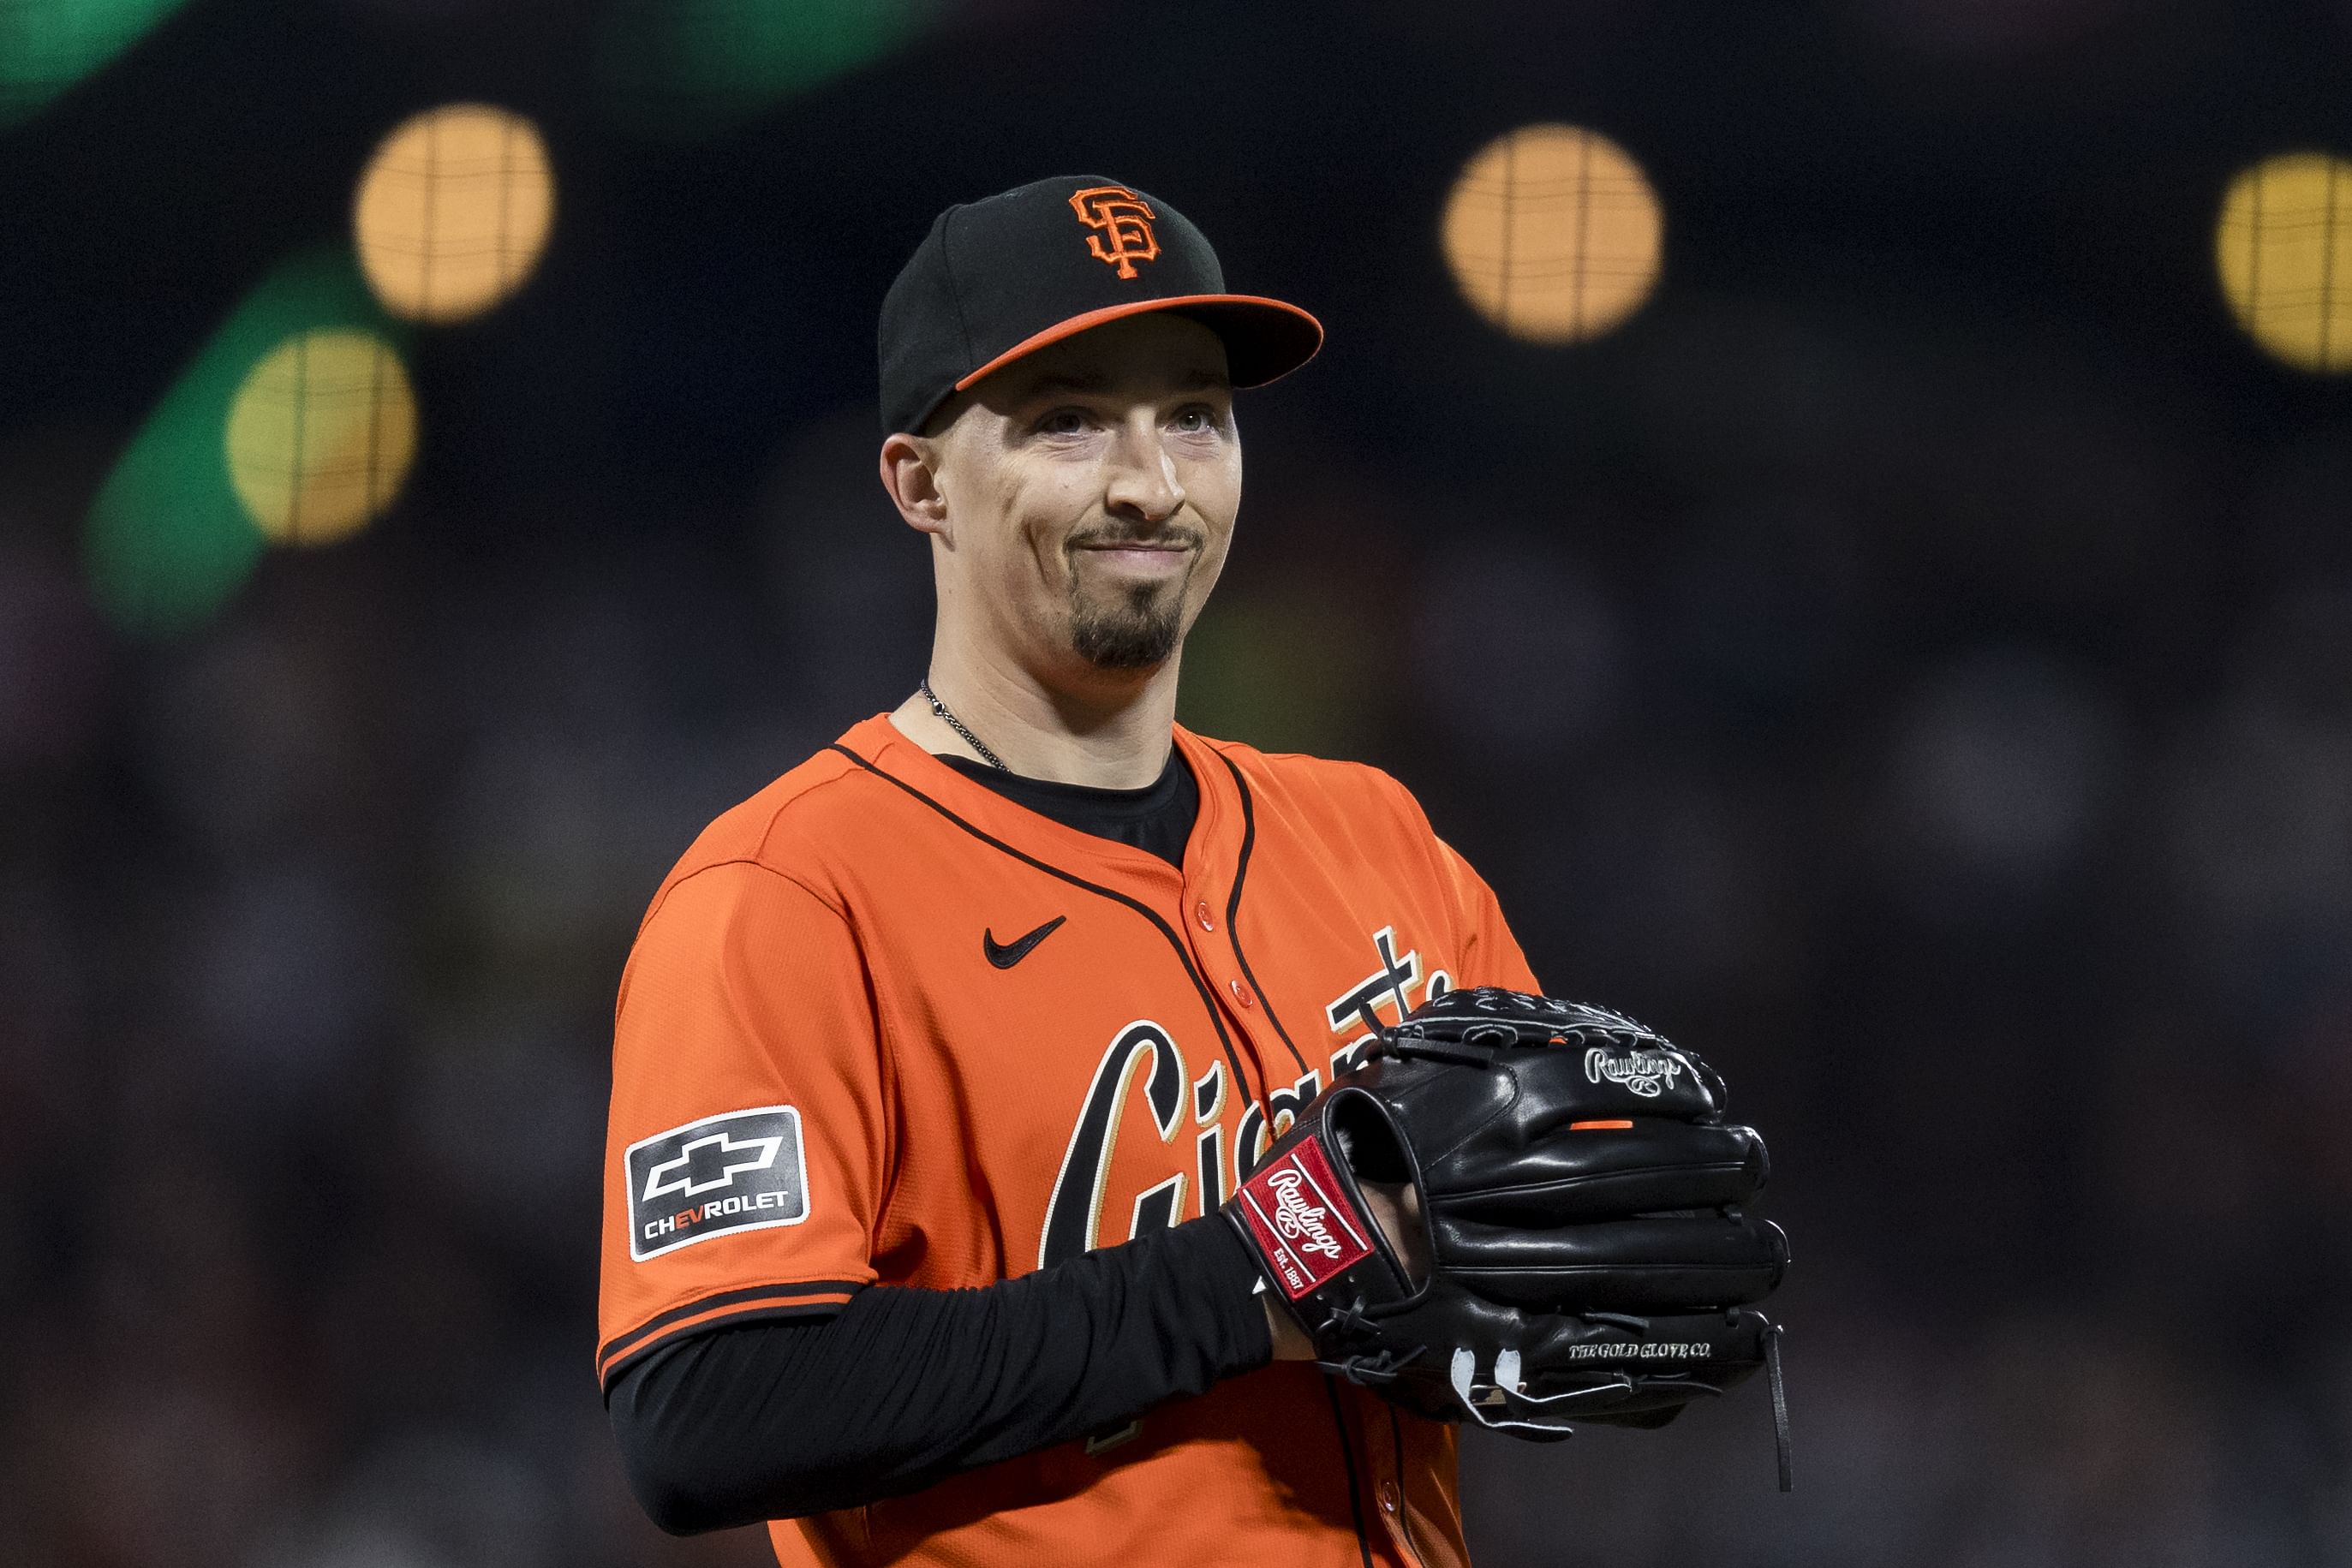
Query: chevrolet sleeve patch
column 1302, row 1220
column 744, row 1170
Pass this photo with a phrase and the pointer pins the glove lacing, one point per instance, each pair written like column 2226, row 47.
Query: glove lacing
column 1353, row 1320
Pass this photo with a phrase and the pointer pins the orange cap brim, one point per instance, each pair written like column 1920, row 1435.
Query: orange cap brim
column 1285, row 335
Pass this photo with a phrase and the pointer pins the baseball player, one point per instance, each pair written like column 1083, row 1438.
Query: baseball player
column 944, row 1063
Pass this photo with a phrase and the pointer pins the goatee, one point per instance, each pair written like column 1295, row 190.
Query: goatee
column 1133, row 634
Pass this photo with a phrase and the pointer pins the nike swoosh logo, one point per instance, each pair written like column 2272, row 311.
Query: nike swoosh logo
column 1005, row 955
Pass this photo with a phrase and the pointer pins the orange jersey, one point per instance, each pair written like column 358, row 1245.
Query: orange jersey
column 882, row 1024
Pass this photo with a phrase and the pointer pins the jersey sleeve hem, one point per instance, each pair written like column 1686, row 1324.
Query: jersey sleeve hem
column 749, row 1303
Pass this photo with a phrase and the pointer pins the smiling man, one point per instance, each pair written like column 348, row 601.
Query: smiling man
column 1081, row 500
column 937, row 1060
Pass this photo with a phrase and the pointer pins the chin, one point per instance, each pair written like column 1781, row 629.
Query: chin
column 1139, row 648
column 1139, row 633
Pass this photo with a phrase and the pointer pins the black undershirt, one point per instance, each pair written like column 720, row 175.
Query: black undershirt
column 1157, row 818
column 903, row 1387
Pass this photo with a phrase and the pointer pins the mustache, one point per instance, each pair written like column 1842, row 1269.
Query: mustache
column 1177, row 536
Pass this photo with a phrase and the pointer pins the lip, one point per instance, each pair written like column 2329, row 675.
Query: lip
column 1137, row 557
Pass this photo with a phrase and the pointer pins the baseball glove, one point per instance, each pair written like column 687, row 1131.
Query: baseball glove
column 1580, row 1195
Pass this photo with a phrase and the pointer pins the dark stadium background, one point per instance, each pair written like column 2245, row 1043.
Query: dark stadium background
column 1911, row 661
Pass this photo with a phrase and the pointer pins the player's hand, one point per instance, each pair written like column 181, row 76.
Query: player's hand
column 1396, row 1209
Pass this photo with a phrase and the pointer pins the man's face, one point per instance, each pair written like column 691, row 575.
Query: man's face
column 1091, row 489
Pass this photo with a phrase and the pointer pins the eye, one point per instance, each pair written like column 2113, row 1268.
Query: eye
column 1063, row 421
column 1199, row 419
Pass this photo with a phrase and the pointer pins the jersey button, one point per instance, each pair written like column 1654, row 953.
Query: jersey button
column 1201, row 913
column 1241, row 993
column 1388, row 1496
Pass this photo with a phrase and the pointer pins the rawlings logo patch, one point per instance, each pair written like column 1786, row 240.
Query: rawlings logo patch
column 1299, row 1220
column 1302, row 1219
column 1645, row 1073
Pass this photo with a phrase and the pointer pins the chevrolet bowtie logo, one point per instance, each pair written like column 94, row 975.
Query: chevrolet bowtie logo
column 708, row 1164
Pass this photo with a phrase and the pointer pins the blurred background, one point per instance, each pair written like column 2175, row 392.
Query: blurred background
column 1842, row 511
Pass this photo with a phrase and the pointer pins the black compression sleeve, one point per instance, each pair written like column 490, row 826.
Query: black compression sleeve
column 903, row 1387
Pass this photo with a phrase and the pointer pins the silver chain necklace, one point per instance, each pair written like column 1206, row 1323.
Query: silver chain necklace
column 953, row 723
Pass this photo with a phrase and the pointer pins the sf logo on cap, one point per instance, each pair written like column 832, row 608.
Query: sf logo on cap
column 1122, row 222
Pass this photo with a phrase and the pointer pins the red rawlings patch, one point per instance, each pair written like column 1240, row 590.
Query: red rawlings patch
column 1302, row 1220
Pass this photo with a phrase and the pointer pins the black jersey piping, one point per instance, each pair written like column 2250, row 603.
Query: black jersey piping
column 1233, row 911
column 1347, row 1458
column 802, row 1311
column 1200, row 983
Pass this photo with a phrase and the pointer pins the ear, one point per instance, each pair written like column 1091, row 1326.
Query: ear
column 910, row 472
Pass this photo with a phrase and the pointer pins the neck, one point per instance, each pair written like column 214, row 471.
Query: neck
column 1110, row 730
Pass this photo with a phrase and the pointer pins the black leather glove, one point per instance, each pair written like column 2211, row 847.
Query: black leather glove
column 1583, row 1196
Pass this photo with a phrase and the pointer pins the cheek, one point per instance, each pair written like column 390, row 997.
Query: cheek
column 1216, row 489
column 1028, row 545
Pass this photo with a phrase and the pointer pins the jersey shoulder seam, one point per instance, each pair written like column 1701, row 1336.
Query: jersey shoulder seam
column 1386, row 791
column 1239, row 752
column 1244, row 749
column 759, row 856
column 676, row 882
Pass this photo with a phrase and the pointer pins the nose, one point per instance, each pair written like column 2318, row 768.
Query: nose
column 1143, row 485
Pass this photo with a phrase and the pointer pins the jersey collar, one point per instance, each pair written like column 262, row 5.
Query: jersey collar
column 1211, row 853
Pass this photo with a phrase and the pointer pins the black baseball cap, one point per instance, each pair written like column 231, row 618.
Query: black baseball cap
column 1002, row 277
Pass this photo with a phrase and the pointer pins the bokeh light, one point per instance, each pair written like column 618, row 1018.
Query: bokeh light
column 46, row 46
column 453, row 211
column 170, row 536
column 321, row 435
column 1553, row 234
column 678, row 70
column 2284, row 245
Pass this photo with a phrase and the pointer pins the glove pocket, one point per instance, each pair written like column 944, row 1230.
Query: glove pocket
column 1650, row 1264
column 1624, row 1167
